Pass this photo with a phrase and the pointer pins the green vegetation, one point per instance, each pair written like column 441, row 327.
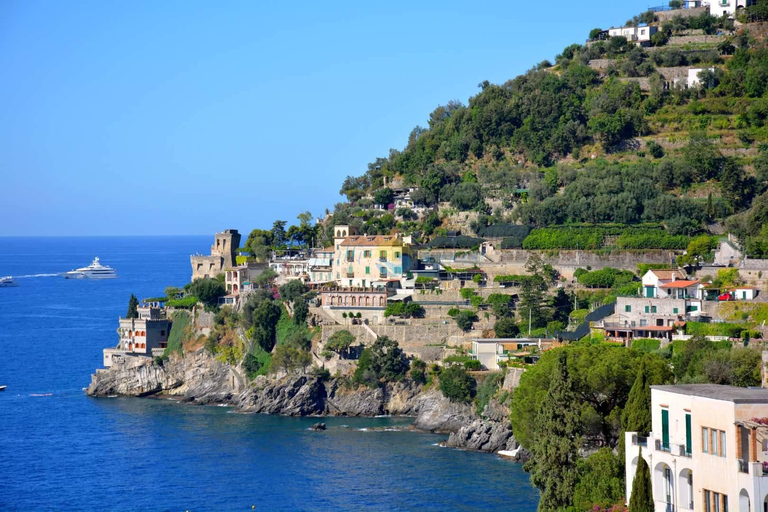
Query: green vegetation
column 600, row 481
column 465, row 319
column 133, row 307
column 289, row 359
column 506, row 328
column 457, row 385
column 646, row 345
column 555, row 451
column 207, row 291
column 487, row 390
column 187, row 302
column 641, row 499
column 698, row 360
column 605, row 278
column 383, row 361
column 181, row 331
column 257, row 363
column 340, row 342
column 404, row 310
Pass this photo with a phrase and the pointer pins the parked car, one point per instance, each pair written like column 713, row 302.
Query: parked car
column 725, row 297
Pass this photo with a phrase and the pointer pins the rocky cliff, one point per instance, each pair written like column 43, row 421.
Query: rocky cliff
column 201, row 378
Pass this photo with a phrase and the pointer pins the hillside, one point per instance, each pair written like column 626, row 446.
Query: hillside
column 612, row 133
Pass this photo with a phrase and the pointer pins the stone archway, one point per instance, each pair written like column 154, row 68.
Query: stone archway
column 663, row 483
column 744, row 502
column 685, row 489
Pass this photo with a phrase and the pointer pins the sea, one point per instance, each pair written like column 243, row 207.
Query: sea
column 61, row 450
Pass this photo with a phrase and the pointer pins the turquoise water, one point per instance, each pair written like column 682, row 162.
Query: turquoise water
column 71, row 452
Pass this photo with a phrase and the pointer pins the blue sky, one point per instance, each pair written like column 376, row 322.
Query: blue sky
column 188, row 117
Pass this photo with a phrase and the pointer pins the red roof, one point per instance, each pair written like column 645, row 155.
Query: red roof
column 679, row 284
column 664, row 328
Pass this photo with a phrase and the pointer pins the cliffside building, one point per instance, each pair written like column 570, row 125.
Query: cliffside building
column 145, row 336
column 358, row 261
column 708, row 448
column 222, row 255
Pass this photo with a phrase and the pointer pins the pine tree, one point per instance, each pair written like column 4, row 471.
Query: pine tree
column 641, row 499
column 637, row 412
column 133, row 307
column 555, row 452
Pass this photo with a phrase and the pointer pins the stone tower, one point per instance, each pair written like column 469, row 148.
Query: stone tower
column 222, row 255
column 225, row 246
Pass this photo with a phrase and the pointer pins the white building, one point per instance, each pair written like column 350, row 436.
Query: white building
column 145, row 336
column 693, row 76
column 321, row 266
column 492, row 351
column 728, row 7
column 240, row 279
column 640, row 34
column 708, row 449
column 671, row 284
column 745, row 293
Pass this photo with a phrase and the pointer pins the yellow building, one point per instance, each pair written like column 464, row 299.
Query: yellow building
column 360, row 261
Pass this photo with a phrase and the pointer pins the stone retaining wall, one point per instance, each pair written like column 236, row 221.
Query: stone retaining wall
column 684, row 13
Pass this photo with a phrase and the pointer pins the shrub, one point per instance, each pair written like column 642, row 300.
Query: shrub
column 187, row 302
column 465, row 319
column 207, row 290
column 506, row 328
column 646, row 344
column 487, row 390
column 457, row 385
column 382, row 361
column 453, row 312
column 655, row 149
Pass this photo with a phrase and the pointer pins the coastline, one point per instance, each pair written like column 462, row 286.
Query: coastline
column 198, row 378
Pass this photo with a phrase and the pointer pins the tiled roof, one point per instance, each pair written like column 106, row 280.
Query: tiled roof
column 666, row 275
column 679, row 284
column 372, row 241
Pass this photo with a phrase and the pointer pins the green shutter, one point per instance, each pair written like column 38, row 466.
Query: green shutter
column 649, row 292
column 688, row 439
column 674, row 310
column 646, row 309
column 665, row 429
column 628, row 309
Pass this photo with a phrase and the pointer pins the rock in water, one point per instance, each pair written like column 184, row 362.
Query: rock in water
column 318, row 426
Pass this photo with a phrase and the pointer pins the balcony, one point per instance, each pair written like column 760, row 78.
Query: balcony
column 382, row 275
column 350, row 274
column 639, row 440
column 753, row 468
column 743, row 466
column 661, row 447
column 383, row 258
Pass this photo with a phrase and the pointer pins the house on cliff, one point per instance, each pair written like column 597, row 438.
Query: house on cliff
column 144, row 336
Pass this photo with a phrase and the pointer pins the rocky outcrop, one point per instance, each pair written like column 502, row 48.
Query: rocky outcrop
column 491, row 432
column 196, row 377
column 201, row 378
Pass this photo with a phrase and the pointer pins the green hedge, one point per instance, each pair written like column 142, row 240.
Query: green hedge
column 714, row 329
column 458, row 242
column 187, row 302
column 593, row 238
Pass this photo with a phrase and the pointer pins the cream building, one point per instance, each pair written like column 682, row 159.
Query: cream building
column 708, row 449
column 145, row 336
column 361, row 261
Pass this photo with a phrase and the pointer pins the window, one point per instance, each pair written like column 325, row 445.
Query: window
column 398, row 270
column 716, row 499
column 647, row 309
column 714, row 442
column 367, row 254
column 383, row 255
column 367, row 270
column 668, row 484
column 653, row 309
column 707, row 501
column 665, row 429
column 643, row 323
column 397, row 254
column 705, row 439
column 627, row 309
column 674, row 310
column 688, row 437
column 722, row 443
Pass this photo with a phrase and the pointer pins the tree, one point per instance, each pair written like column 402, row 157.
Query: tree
column 382, row 361
column 207, row 290
column 641, row 499
column 384, row 197
column 133, row 307
column 595, row 33
column 555, row 451
column 340, row 342
column 279, row 237
column 465, row 318
column 702, row 155
column 300, row 312
column 172, row 292
column 676, row 4
column 265, row 318
column 601, row 481
column 506, row 328
column 457, row 385
column 290, row 359
column 637, row 413
column 735, row 186
column 293, row 290
column 467, row 196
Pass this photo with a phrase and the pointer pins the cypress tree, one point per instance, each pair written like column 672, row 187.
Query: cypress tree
column 637, row 412
column 642, row 497
column 555, row 452
column 133, row 307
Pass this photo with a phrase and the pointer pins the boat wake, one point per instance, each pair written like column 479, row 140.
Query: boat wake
column 35, row 275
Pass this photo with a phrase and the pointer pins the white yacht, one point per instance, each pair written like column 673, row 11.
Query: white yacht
column 7, row 282
column 93, row 271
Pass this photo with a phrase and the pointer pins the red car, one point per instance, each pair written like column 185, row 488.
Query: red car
column 725, row 297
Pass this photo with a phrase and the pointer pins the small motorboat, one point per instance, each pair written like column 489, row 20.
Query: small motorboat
column 7, row 282
column 2, row 388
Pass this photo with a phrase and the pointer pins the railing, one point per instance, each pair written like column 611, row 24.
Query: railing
column 382, row 275
column 661, row 447
column 639, row 440
column 681, row 450
column 350, row 274
column 743, row 466
column 382, row 258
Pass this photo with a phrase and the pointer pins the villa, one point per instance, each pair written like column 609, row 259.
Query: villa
column 358, row 261
column 145, row 336
column 708, row 448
